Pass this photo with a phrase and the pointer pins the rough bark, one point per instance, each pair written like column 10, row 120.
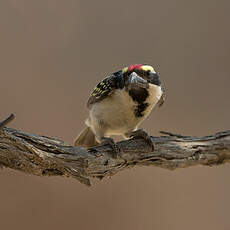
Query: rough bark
column 45, row 156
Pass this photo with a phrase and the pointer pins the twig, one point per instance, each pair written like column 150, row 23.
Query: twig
column 7, row 121
column 172, row 134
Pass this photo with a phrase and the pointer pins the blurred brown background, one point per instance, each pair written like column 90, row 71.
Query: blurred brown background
column 52, row 53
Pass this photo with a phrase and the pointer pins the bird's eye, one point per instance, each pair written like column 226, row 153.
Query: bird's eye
column 148, row 72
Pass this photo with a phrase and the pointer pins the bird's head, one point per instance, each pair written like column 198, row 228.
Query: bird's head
column 144, row 71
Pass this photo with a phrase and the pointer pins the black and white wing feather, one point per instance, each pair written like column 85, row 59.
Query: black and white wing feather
column 106, row 87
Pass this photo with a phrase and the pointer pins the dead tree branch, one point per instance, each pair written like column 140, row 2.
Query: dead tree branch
column 7, row 120
column 44, row 156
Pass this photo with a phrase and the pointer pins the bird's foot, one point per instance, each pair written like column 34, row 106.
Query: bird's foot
column 116, row 149
column 140, row 133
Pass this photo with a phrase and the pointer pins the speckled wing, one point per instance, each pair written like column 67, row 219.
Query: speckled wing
column 106, row 87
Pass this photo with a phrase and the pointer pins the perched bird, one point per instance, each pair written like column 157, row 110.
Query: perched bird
column 118, row 105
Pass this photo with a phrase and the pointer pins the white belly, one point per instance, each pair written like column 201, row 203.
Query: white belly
column 115, row 115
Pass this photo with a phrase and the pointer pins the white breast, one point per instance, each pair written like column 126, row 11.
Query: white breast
column 115, row 115
column 155, row 94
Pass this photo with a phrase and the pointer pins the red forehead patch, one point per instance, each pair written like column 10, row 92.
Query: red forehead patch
column 135, row 66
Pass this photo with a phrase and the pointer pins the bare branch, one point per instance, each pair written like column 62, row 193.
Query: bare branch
column 46, row 156
column 7, row 120
column 172, row 134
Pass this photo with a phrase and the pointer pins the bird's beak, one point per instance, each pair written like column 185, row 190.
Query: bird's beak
column 154, row 79
column 134, row 78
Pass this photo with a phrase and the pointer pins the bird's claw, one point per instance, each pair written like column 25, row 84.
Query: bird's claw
column 140, row 133
column 116, row 149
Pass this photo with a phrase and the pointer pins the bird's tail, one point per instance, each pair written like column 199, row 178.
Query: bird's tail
column 86, row 138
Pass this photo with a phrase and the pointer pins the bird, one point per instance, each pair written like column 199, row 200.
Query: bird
column 119, row 104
